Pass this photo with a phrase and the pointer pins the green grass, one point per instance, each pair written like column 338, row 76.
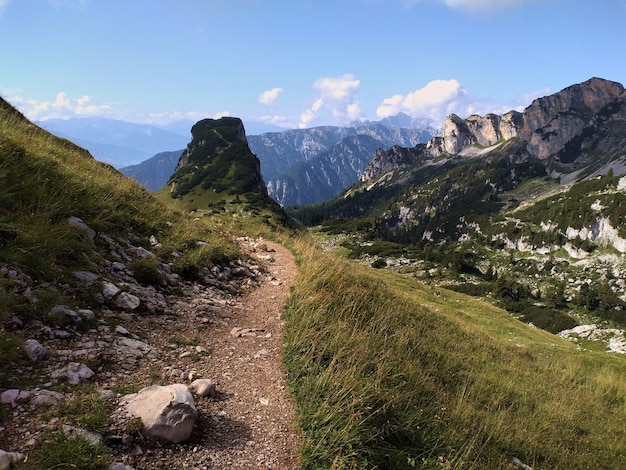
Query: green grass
column 87, row 410
column 61, row 452
column 388, row 373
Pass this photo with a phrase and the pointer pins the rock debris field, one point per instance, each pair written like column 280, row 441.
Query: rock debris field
column 219, row 350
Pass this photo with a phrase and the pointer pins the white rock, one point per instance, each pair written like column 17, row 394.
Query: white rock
column 7, row 458
column 47, row 397
column 74, row 373
column 35, row 351
column 109, row 290
column 203, row 387
column 93, row 437
column 119, row 329
column 126, row 301
column 167, row 412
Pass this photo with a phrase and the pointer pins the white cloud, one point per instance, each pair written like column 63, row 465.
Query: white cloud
column 336, row 95
column 434, row 101
column 440, row 98
column 61, row 107
column 173, row 116
column 77, row 4
column 268, row 97
column 3, row 4
column 525, row 99
column 477, row 5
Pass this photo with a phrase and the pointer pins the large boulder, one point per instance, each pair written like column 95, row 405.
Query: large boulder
column 167, row 412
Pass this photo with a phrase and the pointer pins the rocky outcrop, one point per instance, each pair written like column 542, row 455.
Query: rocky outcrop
column 571, row 128
column 384, row 161
column 553, row 121
column 458, row 134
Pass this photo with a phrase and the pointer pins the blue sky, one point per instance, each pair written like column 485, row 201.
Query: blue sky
column 300, row 63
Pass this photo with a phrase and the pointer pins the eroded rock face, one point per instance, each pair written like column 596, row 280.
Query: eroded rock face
column 548, row 125
column 386, row 160
column 167, row 412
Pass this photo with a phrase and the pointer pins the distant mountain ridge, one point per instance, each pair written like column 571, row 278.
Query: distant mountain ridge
column 119, row 143
column 327, row 171
column 439, row 189
column 576, row 132
column 302, row 166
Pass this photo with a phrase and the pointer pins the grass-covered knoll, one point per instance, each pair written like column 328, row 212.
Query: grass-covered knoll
column 218, row 173
column 392, row 374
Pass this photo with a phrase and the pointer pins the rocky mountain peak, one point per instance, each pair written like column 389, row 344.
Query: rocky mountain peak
column 387, row 160
column 212, row 135
column 553, row 121
column 559, row 127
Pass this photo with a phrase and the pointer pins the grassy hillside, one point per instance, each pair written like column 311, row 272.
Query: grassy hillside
column 44, row 181
column 389, row 373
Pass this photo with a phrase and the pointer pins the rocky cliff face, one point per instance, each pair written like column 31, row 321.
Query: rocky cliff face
column 553, row 121
column 582, row 126
column 384, row 161
column 485, row 131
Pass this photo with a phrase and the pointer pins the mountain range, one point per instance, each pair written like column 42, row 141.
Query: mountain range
column 108, row 290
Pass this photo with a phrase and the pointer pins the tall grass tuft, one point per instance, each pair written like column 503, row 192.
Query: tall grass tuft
column 391, row 374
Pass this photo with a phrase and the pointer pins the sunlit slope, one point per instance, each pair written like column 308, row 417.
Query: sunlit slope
column 389, row 373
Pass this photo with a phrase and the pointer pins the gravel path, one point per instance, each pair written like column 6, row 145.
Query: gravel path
column 250, row 424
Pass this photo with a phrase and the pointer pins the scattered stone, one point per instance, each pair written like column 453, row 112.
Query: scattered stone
column 65, row 315
column 204, row 387
column 201, row 350
column 74, row 373
column 79, row 224
column 85, row 276
column 184, row 355
column 120, row 466
column 47, row 397
column 264, row 401
column 126, row 301
column 120, row 330
column 13, row 395
column 238, row 332
column 87, row 314
column 518, row 463
column 93, row 437
column 35, row 351
column 109, row 290
column 143, row 253
column 8, row 458
column 166, row 412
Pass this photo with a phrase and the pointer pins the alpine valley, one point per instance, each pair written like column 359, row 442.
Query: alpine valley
column 460, row 300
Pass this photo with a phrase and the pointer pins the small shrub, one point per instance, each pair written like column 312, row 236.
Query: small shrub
column 379, row 263
column 548, row 319
column 146, row 272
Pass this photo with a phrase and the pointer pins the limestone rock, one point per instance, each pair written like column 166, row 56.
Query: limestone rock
column 8, row 458
column 74, row 373
column 126, row 301
column 35, row 351
column 65, row 315
column 13, row 395
column 93, row 437
column 109, row 290
column 167, row 412
column 203, row 387
column 79, row 224
column 47, row 397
